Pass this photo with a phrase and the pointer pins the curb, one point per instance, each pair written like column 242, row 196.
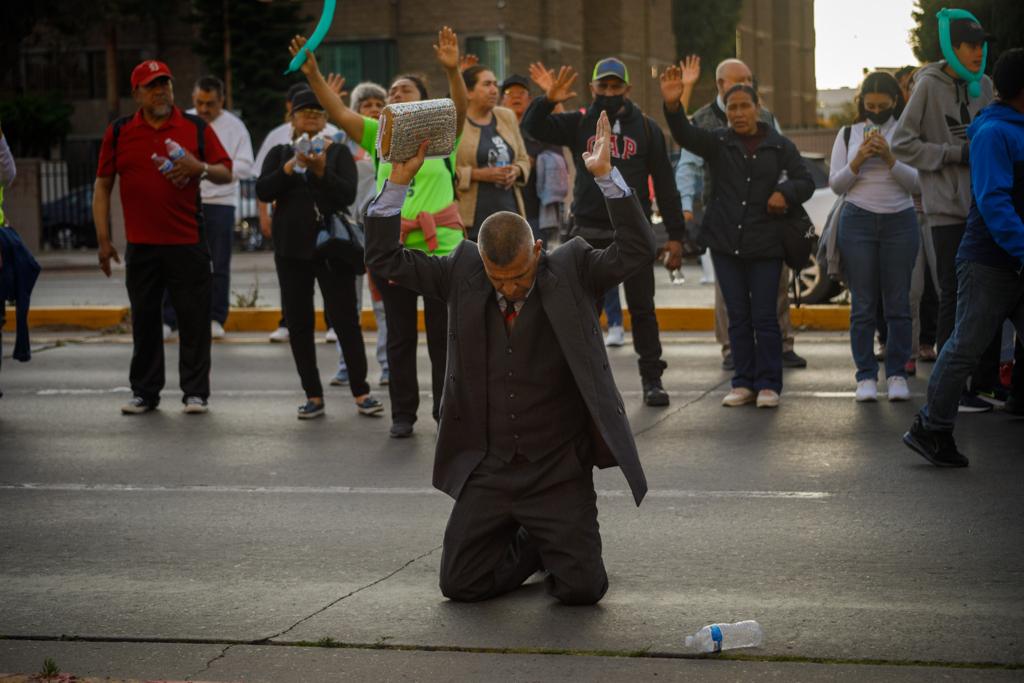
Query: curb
column 828, row 318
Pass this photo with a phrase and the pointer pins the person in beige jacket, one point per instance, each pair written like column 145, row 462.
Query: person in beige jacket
column 492, row 165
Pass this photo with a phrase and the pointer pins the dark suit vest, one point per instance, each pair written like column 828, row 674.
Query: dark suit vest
column 533, row 404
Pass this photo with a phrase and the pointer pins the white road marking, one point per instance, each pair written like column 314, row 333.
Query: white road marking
column 385, row 491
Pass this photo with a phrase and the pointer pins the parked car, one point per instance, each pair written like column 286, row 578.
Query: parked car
column 67, row 220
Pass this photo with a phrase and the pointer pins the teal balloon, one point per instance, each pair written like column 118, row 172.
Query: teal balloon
column 314, row 41
column 973, row 78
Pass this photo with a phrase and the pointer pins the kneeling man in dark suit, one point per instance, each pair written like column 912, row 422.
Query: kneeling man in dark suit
column 530, row 406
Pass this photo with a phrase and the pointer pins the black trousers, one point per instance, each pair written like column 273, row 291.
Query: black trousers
column 640, row 301
column 338, row 287
column 404, row 388
column 219, row 226
column 513, row 519
column 946, row 239
column 184, row 271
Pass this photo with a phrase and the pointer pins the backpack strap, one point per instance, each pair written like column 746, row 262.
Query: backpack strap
column 115, row 133
column 200, row 125
column 846, row 136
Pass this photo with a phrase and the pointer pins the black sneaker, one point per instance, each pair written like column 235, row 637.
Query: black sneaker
column 936, row 447
column 401, row 430
column 370, row 406
column 728, row 363
column 970, row 403
column 655, row 394
column 996, row 395
column 790, row 359
column 137, row 406
column 310, row 410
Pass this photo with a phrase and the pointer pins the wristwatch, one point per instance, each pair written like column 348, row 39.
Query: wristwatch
column 206, row 171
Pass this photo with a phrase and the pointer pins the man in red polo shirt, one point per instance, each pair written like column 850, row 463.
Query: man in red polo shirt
column 163, row 221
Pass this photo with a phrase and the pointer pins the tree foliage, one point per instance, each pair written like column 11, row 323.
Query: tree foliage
column 33, row 124
column 260, row 32
column 1004, row 19
column 706, row 28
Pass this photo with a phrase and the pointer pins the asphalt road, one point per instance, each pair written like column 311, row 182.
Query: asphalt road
column 184, row 546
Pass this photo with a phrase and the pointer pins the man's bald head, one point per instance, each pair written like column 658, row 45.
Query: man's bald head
column 503, row 235
column 732, row 72
column 509, row 253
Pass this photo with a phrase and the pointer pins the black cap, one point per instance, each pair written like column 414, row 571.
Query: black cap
column 305, row 99
column 967, row 31
column 516, row 79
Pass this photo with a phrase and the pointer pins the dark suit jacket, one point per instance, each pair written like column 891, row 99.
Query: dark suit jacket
column 571, row 278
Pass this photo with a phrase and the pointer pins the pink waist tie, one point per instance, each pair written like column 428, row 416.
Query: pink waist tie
column 427, row 222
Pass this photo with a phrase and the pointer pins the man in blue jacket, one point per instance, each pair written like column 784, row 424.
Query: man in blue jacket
column 990, row 262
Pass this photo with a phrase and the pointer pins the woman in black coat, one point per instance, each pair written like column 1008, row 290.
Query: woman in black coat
column 757, row 178
column 305, row 190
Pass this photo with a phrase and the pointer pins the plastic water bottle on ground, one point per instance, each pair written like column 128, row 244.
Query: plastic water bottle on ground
column 718, row 637
column 174, row 150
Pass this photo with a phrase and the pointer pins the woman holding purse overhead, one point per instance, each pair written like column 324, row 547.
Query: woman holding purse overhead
column 308, row 189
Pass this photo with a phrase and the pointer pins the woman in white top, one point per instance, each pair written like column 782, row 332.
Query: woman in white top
column 878, row 234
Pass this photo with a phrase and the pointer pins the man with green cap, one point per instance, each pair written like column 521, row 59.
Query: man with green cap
column 639, row 151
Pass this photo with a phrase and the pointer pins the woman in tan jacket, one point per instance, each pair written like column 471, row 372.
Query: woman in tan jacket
column 491, row 164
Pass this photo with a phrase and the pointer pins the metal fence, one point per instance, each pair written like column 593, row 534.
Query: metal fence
column 66, row 204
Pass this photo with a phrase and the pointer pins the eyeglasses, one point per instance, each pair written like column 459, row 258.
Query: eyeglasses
column 313, row 113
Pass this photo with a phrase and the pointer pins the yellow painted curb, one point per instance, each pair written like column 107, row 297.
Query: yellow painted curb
column 823, row 318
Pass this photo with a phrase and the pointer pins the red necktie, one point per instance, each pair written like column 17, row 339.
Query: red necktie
column 510, row 316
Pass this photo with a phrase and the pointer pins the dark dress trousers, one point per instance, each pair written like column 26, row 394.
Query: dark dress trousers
column 525, row 414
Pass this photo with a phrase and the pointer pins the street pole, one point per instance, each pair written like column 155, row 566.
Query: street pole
column 227, row 56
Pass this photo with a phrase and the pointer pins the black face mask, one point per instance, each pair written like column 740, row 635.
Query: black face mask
column 880, row 117
column 610, row 104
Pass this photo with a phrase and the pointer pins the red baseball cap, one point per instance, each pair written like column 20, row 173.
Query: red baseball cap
column 148, row 71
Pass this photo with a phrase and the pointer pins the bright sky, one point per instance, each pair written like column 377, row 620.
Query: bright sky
column 854, row 35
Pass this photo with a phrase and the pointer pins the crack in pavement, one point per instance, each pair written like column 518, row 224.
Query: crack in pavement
column 223, row 653
column 331, row 604
column 681, row 408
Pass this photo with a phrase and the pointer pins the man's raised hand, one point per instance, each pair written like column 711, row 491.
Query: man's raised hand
column 447, row 49
column 402, row 172
column 542, row 76
column 672, row 87
column 599, row 161
column 560, row 89
column 691, row 69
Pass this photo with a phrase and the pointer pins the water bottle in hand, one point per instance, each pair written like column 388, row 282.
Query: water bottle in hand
column 675, row 275
column 718, row 637
column 164, row 165
column 302, row 146
column 174, row 150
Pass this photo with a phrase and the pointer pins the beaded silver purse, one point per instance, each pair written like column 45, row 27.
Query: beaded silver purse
column 405, row 125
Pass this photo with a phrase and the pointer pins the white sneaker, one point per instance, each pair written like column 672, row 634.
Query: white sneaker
column 216, row 330
column 616, row 336
column 737, row 397
column 169, row 333
column 767, row 398
column 898, row 389
column 331, row 336
column 280, row 335
column 867, row 391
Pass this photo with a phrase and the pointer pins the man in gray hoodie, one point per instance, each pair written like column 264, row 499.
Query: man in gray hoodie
column 931, row 136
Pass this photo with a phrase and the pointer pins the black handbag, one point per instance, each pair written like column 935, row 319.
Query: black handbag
column 341, row 238
column 796, row 230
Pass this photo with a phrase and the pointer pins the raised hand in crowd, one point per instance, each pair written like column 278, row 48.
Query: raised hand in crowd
column 447, row 49
column 691, row 74
column 336, row 82
column 542, row 76
column 560, row 89
column 467, row 61
column 672, row 87
column 599, row 160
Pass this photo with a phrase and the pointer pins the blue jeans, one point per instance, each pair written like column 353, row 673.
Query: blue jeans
column 879, row 250
column 613, row 307
column 985, row 297
column 750, row 288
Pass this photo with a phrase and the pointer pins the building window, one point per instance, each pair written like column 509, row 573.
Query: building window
column 358, row 61
column 492, row 53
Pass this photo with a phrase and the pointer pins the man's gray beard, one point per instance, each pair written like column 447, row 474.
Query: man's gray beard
column 162, row 111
